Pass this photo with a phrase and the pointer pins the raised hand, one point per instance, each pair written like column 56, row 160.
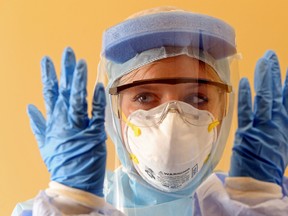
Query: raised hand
column 261, row 145
column 71, row 144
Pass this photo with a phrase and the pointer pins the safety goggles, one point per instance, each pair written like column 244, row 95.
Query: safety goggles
column 147, row 94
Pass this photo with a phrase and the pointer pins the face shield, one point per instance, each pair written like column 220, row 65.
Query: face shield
column 170, row 92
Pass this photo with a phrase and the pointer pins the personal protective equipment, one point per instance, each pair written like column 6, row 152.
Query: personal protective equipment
column 188, row 46
column 261, row 145
column 171, row 143
column 71, row 144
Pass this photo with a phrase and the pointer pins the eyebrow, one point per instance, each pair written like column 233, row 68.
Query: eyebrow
column 172, row 81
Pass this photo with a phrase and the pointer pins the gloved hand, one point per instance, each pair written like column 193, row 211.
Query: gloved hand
column 71, row 144
column 261, row 145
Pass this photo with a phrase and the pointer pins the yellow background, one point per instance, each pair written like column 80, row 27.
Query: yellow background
column 32, row 28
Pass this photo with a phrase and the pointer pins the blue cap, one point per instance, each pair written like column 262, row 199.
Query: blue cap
column 174, row 28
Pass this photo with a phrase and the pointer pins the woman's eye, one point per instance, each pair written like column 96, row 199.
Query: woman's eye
column 196, row 100
column 144, row 98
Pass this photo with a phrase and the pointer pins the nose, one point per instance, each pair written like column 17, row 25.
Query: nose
column 171, row 94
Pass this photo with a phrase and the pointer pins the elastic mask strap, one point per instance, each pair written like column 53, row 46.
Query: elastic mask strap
column 136, row 130
column 134, row 158
column 212, row 125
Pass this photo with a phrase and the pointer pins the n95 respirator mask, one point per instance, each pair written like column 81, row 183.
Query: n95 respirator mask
column 169, row 144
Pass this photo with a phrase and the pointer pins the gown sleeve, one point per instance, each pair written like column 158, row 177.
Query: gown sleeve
column 226, row 196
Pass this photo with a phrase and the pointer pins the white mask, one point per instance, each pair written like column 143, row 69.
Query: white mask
column 170, row 143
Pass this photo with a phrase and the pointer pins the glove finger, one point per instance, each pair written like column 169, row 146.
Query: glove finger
column 98, row 104
column 37, row 123
column 276, row 80
column 245, row 114
column 78, row 103
column 67, row 70
column 285, row 92
column 263, row 88
column 50, row 85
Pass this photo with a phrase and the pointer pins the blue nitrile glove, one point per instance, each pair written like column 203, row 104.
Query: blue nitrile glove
column 71, row 144
column 261, row 145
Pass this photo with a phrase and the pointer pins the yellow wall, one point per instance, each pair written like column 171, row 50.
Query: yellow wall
column 32, row 28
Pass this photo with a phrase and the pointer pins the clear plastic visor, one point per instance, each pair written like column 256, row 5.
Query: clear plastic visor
column 148, row 90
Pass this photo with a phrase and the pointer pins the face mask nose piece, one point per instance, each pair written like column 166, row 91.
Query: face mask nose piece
column 172, row 107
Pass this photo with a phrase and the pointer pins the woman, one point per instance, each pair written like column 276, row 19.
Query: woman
column 169, row 110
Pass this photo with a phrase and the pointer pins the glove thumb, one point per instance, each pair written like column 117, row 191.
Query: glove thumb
column 37, row 123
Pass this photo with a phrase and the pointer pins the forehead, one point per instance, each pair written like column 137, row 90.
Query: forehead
column 177, row 66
